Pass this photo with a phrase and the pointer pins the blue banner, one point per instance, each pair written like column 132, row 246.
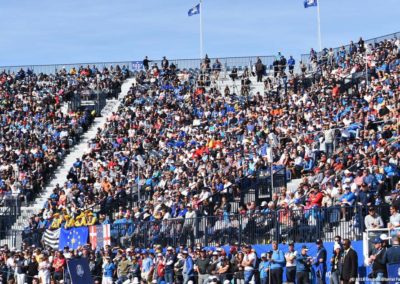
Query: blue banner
column 73, row 238
column 79, row 271
column 393, row 273
column 137, row 65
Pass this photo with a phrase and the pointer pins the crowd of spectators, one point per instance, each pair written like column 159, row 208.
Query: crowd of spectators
column 234, row 264
column 177, row 150
column 35, row 132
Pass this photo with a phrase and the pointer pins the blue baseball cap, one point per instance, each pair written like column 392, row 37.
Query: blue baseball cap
column 377, row 241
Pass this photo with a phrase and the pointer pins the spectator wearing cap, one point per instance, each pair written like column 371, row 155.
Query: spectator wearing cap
column 336, row 264
column 249, row 263
column 108, row 270
column 263, row 268
column 187, row 271
column 303, row 266
column 377, row 260
column 290, row 257
column 320, row 262
column 373, row 220
column 159, row 270
column 223, row 268
column 170, row 259
column 202, row 266
column 277, row 262
column 123, row 267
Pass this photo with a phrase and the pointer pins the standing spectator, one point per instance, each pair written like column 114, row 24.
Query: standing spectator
column 303, row 265
column 164, row 63
column 373, row 220
column 59, row 263
column 189, row 225
column 108, row 271
column 170, row 260
column 263, row 269
column 146, row 62
column 238, row 268
column 377, row 260
column 394, row 221
column 349, row 271
column 160, row 268
column 277, row 263
column 44, row 269
column 259, row 70
column 249, row 262
column 291, row 63
column 392, row 254
column 320, row 262
column 147, row 268
column 187, row 270
column 20, row 268
column 202, row 266
column 123, row 268
column 336, row 264
column 290, row 257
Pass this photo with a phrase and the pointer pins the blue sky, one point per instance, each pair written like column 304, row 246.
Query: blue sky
column 72, row 31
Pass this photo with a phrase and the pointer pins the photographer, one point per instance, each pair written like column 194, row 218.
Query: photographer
column 303, row 265
column 377, row 260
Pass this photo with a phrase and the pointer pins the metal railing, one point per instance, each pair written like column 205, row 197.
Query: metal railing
column 305, row 58
column 253, row 227
column 303, row 225
column 226, row 62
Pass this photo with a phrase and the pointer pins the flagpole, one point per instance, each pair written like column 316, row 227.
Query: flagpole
column 319, row 26
column 201, row 30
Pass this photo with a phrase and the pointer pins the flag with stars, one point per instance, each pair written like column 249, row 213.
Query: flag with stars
column 73, row 238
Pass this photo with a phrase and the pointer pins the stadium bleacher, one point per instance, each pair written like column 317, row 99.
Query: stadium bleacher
column 188, row 157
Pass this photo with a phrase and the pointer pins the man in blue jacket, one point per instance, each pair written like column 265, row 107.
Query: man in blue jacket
column 303, row 264
column 320, row 262
column 187, row 271
column 277, row 263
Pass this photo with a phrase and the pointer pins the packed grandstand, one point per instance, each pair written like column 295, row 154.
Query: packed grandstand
column 179, row 170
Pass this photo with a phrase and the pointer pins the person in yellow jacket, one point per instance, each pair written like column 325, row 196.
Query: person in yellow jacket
column 70, row 222
column 80, row 220
column 90, row 219
column 57, row 220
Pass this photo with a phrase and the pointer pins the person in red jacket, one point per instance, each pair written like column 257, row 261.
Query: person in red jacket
column 316, row 196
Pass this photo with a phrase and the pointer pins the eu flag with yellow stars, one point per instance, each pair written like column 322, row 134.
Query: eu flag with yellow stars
column 73, row 238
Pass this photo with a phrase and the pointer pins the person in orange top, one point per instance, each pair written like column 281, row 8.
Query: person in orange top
column 106, row 185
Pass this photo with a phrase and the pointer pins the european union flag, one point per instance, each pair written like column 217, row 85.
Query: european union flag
column 194, row 11
column 310, row 3
column 73, row 238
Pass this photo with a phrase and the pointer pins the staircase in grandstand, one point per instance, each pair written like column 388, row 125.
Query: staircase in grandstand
column 13, row 237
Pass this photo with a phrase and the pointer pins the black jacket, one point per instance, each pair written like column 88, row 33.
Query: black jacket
column 350, row 265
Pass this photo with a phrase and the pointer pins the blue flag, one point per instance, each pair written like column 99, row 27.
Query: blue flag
column 310, row 3
column 194, row 11
column 73, row 238
column 79, row 271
